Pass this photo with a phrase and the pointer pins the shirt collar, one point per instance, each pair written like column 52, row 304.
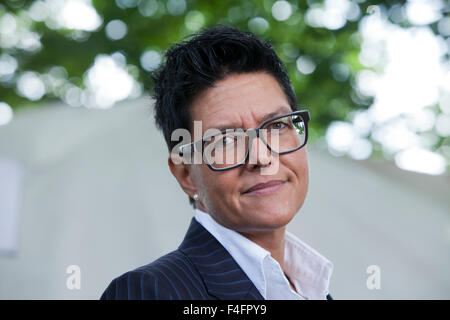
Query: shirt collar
column 307, row 268
column 309, row 271
column 248, row 255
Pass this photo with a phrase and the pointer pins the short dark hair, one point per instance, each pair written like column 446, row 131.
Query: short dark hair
column 198, row 62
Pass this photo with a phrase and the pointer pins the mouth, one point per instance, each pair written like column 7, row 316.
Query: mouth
column 265, row 188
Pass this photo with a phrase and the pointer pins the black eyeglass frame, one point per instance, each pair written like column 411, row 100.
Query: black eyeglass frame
column 304, row 114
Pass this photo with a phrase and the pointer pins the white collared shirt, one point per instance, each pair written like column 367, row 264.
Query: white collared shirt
column 307, row 269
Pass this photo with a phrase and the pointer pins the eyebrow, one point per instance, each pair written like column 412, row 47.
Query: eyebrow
column 279, row 111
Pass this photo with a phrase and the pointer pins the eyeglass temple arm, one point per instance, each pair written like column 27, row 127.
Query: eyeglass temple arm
column 305, row 115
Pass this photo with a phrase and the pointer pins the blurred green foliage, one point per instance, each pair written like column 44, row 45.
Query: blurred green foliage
column 328, row 92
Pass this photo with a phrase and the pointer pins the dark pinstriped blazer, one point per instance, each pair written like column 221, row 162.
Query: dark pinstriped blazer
column 201, row 268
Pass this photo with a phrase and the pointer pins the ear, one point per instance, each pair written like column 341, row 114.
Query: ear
column 182, row 172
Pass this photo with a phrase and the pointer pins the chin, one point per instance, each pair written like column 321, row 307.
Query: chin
column 271, row 217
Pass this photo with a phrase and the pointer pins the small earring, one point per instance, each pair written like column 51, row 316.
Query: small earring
column 195, row 197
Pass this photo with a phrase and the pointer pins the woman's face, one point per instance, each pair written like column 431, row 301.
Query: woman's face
column 245, row 101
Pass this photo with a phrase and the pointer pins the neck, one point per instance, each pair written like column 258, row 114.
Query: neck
column 272, row 241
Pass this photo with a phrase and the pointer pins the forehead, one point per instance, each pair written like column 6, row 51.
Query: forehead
column 239, row 101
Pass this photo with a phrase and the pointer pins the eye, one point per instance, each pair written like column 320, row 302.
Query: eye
column 225, row 141
column 278, row 125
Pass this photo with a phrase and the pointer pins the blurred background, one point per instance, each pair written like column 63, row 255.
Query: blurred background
column 83, row 171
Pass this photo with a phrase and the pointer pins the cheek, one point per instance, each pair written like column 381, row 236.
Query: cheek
column 297, row 166
column 304, row 168
column 217, row 186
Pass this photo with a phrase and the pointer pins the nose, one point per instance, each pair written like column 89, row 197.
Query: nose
column 259, row 155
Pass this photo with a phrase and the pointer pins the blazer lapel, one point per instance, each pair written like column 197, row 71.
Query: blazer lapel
column 223, row 277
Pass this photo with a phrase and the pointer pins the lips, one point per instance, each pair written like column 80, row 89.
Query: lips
column 265, row 188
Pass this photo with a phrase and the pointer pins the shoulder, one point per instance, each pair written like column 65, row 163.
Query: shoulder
column 172, row 276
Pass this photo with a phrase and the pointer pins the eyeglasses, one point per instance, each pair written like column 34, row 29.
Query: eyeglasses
column 230, row 148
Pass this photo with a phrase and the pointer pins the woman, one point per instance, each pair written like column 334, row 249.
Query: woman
column 246, row 176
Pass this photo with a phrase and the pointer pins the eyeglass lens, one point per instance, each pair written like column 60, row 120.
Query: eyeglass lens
column 231, row 148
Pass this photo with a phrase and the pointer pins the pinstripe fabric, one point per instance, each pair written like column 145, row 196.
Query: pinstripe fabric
column 200, row 268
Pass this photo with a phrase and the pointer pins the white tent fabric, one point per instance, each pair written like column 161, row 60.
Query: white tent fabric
column 93, row 190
